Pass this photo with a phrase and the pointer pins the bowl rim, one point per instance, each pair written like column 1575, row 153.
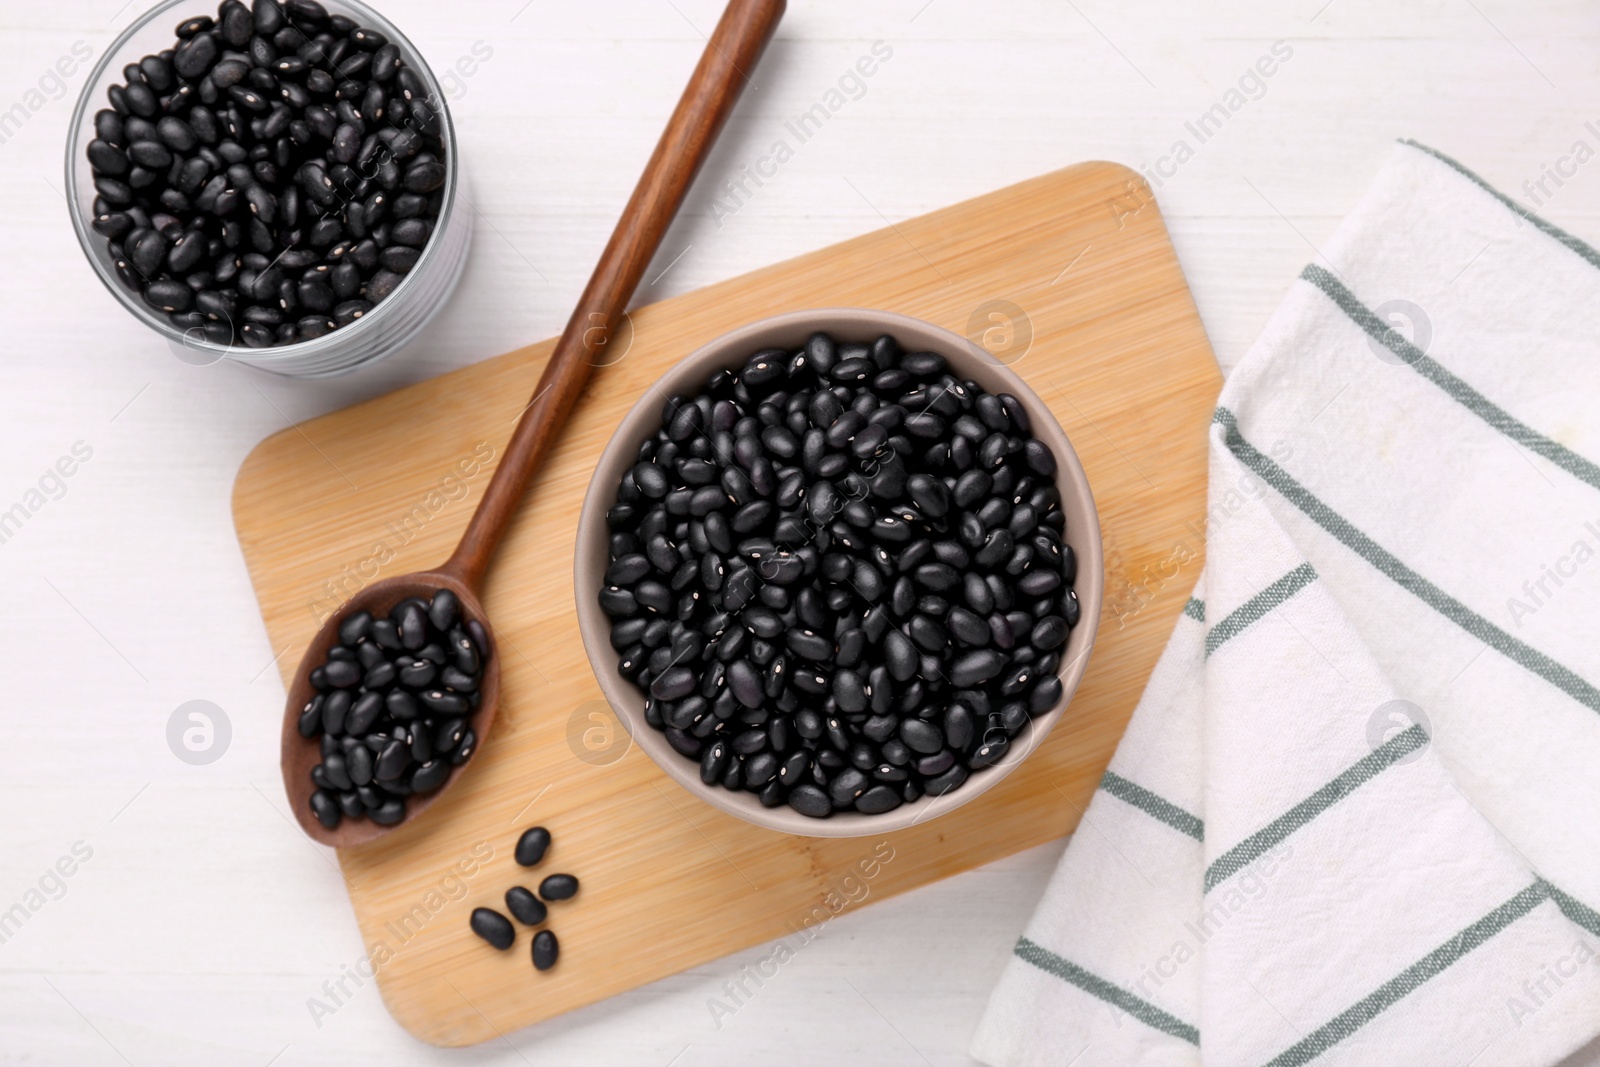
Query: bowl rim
column 268, row 359
column 731, row 349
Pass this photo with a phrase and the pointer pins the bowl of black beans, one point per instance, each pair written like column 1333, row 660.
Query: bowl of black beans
column 839, row 572
column 272, row 182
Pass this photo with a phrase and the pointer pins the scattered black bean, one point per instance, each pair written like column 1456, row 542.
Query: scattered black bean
column 274, row 130
column 838, row 574
column 558, row 887
column 493, row 927
column 380, row 693
column 526, row 908
column 546, row 950
column 532, row 845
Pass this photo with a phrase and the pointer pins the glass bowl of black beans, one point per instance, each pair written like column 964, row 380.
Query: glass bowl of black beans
column 271, row 182
column 839, row 572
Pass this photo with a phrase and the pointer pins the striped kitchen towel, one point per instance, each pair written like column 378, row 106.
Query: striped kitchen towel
column 1355, row 818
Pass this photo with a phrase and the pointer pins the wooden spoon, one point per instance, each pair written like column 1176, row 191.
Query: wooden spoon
column 731, row 52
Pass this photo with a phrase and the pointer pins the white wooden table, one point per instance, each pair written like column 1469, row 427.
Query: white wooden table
column 197, row 924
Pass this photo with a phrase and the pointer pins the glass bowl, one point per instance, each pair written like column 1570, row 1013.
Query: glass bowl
column 390, row 324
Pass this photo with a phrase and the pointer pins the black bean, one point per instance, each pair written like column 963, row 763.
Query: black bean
column 326, row 808
column 195, row 56
column 429, row 776
column 673, row 684
column 847, row 786
column 809, row 800
column 532, row 845
column 141, row 99
column 1048, row 633
column 1040, row 459
column 944, row 783
column 1039, row 581
column 926, row 633
column 900, row 655
column 975, row 668
column 745, row 683
column 168, row 295
column 1045, row 694
column 359, row 765
column 486, row 922
column 849, row 691
column 424, row 176
column 558, row 887
column 546, row 950
column 310, row 723
column 526, row 908
column 920, row 736
column 877, row 800
column 967, row 627
column 714, row 762
column 417, row 674
column 1017, row 413
column 333, row 769
column 928, row 495
column 106, row 158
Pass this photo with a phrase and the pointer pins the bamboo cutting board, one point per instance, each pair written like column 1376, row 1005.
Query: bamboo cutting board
column 1070, row 278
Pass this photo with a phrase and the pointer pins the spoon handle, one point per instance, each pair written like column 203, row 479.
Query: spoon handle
column 724, row 68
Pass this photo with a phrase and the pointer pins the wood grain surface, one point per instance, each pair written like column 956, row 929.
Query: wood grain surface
column 1070, row 277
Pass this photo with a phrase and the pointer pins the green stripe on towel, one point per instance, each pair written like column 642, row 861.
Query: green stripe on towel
column 1458, row 390
column 1153, row 806
column 1387, row 995
column 1576, row 910
column 1580, row 247
column 1252, row 610
column 1363, row 770
column 1095, row 986
column 1528, row 657
column 1195, row 609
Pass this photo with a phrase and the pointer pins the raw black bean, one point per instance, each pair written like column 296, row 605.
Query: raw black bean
column 106, row 158
column 992, row 751
column 558, row 887
column 1045, row 693
column 389, row 812
column 526, row 908
column 944, row 783
column 1048, row 633
column 311, row 718
column 714, row 761
column 326, row 808
column 920, row 736
column 546, row 950
column 532, row 845
column 807, row 799
column 975, row 668
column 490, row 924
column 429, row 776
column 877, row 800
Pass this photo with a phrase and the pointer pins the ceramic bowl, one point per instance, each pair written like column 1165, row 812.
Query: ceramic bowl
column 731, row 351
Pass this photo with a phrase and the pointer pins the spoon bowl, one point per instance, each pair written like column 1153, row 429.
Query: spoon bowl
column 300, row 754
